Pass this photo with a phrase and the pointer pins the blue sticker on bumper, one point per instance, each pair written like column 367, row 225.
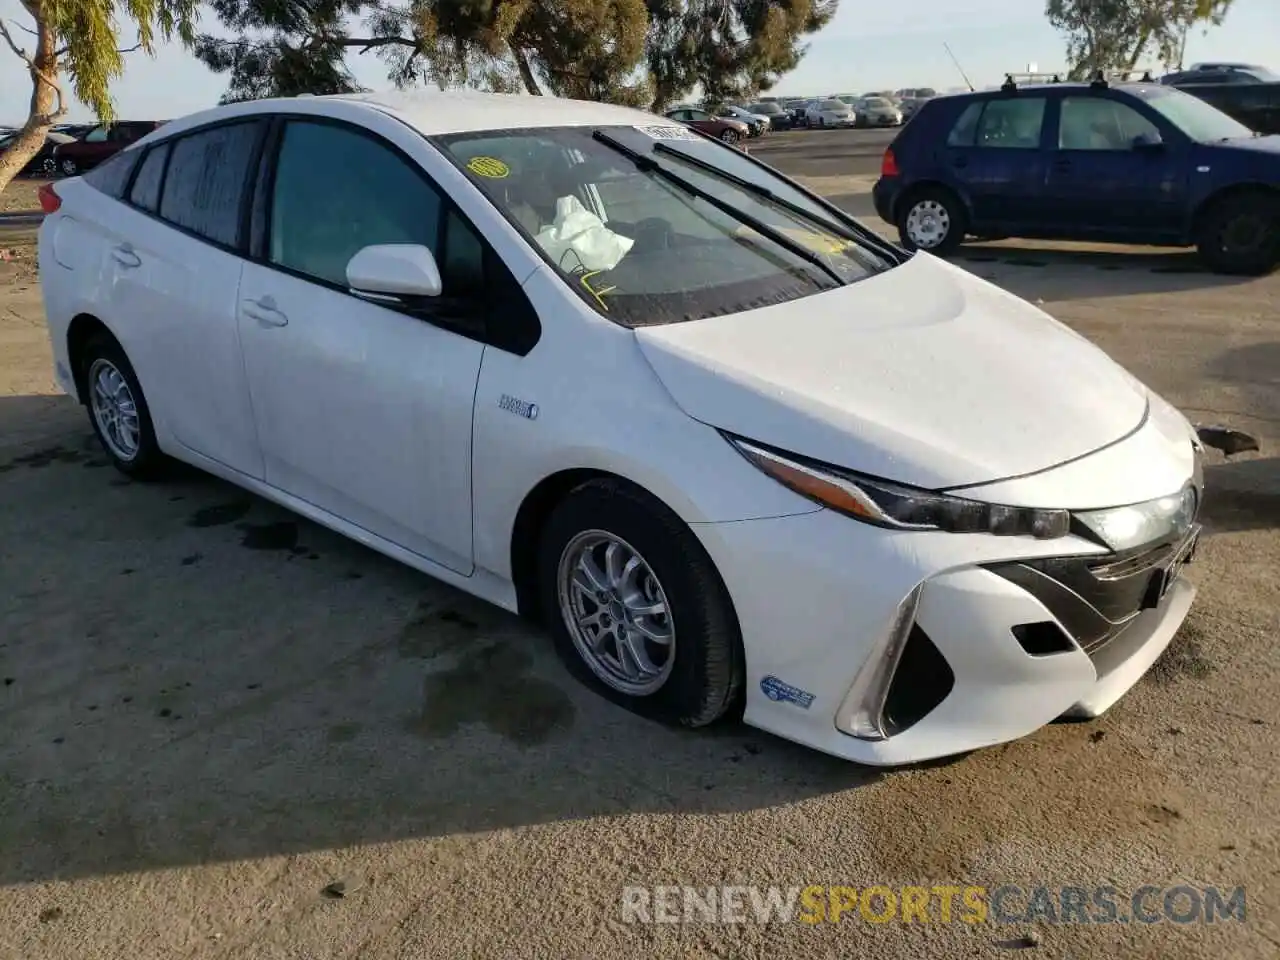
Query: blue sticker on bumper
column 780, row 692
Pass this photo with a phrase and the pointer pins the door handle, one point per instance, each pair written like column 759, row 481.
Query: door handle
column 124, row 255
column 1062, row 164
column 959, row 161
column 264, row 311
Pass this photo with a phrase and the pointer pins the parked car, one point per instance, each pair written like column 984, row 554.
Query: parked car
column 916, row 93
column 101, row 142
column 1256, row 105
column 1220, row 74
column 778, row 116
column 42, row 163
column 388, row 319
column 757, row 125
column 1133, row 163
column 909, row 106
column 799, row 112
column 726, row 129
column 878, row 112
column 831, row 113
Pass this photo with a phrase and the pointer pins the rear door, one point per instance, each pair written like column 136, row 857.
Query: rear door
column 995, row 154
column 176, row 265
column 1105, row 178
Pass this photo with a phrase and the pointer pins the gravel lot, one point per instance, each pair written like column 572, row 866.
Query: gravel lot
column 211, row 710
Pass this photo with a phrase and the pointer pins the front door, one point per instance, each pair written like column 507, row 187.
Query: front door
column 995, row 155
column 363, row 410
column 1112, row 174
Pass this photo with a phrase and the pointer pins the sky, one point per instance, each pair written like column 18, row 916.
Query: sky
column 870, row 45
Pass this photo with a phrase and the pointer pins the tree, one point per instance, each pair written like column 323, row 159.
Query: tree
column 79, row 38
column 1116, row 34
column 639, row 52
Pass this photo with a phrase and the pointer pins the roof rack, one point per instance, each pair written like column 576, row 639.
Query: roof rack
column 1100, row 78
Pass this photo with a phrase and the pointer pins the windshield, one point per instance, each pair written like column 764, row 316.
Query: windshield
column 877, row 103
column 641, row 249
column 766, row 108
column 834, row 105
column 1198, row 120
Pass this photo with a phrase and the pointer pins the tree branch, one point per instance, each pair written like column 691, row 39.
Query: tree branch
column 8, row 38
column 369, row 43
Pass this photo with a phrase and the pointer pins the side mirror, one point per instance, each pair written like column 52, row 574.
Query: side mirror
column 1148, row 142
column 394, row 272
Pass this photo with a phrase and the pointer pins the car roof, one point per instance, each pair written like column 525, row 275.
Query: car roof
column 468, row 112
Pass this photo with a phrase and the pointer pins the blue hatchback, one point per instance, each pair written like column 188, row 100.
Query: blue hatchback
column 1130, row 163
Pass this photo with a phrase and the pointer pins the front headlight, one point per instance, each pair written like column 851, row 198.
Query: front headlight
column 1136, row 525
column 899, row 507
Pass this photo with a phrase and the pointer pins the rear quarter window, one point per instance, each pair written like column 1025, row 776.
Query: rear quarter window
column 112, row 175
column 965, row 127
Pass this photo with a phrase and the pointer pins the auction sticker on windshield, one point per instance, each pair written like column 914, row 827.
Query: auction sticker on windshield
column 489, row 167
column 665, row 132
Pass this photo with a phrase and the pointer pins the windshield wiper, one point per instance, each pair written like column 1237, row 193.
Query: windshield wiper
column 758, row 190
column 648, row 164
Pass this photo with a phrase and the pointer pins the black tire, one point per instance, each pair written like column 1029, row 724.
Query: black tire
column 729, row 136
column 948, row 202
column 706, row 678
column 68, row 167
column 1240, row 234
column 148, row 463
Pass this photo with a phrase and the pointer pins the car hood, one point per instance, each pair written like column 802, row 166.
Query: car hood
column 923, row 374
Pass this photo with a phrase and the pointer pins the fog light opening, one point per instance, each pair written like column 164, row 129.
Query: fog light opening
column 862, row 713
column 1043, row 639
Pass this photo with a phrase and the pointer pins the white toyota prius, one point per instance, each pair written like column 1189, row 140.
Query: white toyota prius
column 737, row 453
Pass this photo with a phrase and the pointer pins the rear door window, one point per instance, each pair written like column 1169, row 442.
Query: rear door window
column 207, row 178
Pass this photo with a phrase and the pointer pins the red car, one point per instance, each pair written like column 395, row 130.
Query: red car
column 100, row 143
column 730, row 131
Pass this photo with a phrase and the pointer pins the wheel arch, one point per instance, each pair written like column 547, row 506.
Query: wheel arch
column 80, row 332
column 536, row 508
column 1229, row 192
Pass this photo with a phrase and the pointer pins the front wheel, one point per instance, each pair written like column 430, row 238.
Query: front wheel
column 933, row 220
column 1241, row 235
column 68, row 167
column 729, row 136
column 636, row 606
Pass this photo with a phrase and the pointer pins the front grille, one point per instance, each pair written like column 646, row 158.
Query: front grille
column 1095, row 598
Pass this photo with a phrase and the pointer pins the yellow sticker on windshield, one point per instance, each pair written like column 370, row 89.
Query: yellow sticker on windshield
column 817, row 242
column 489, row 167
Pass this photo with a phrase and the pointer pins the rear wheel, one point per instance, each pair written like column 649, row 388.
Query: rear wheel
column 636, row 607
column 118, row 410
column 68, row 167
column 931, row 219
column 1241, row 234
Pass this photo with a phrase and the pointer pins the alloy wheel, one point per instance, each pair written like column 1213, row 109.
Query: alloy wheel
column 616, row 612
column 114, row 410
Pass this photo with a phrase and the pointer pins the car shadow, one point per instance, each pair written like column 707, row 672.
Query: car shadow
column 1074, row 272
column 1242, row 495
column 193, row 675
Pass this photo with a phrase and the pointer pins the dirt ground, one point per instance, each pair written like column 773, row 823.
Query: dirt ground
column 213, row 710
